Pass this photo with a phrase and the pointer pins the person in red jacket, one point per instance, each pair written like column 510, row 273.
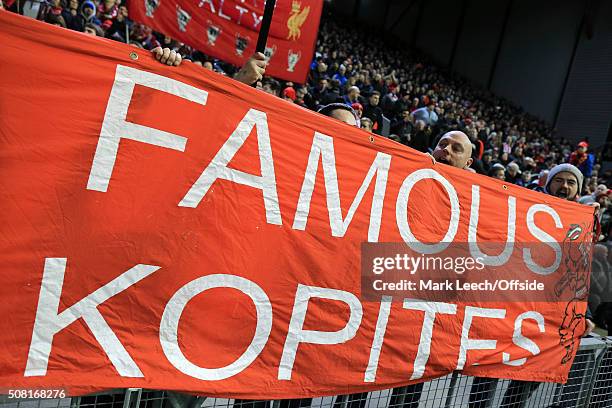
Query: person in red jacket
column 579, row 155
column 583, row 160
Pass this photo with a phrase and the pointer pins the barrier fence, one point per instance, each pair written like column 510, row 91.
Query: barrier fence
column 589, row 385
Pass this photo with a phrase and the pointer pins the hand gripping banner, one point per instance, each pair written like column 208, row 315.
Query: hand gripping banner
column 170, row 228
column 228, row 30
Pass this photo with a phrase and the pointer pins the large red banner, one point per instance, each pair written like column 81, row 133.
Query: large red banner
column 228, row 29
column 170, row 228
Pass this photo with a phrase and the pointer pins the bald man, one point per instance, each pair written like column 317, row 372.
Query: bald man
column 454, row 149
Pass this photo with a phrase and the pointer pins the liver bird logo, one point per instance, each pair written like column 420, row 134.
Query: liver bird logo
column 296, row 20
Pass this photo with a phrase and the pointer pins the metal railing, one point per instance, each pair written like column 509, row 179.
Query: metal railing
column 589, row 385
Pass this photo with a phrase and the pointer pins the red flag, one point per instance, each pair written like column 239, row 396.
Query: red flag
column 228, row 30
column 170, row 228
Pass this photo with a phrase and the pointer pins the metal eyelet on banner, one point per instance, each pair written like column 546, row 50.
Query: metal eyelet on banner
column 505, row 187
column 133, row 55
column 371, row 138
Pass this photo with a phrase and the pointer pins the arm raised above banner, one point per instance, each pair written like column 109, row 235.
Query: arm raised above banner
column 251, row 72
column 167, row 56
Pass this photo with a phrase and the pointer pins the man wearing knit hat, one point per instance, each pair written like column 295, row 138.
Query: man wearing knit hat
column 564, row 181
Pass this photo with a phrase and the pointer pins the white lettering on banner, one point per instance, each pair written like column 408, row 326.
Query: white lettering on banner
column 323, row 149
column 297, row 334
column 401, row 212
column 256, row 19
column 544, row 237
column 522, row 341
column 217, row 168
column 430, row 309
column 377, row 341
column 242, row 11
column 472, row 344
column 48, row 322
column 115, row 127
column 168, row 332
column 221, row 10
column 210, row 4
column 491, row 260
